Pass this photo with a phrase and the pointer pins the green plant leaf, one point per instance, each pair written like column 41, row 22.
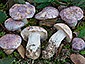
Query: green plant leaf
column 20, row 1
column 82, row 33
column 81, row 4
column 41, row 1
column 82, row 52
column 6, row 60
column 42, row 5
column 59, row 3
column 3, row 16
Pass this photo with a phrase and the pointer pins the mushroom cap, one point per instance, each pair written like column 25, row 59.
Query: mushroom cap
column 34, row 29
column 13, row 25
column 71, row 14
column 78, row 44
column 66, row 29
column 10, row 41
column 47, row 13
column 22, row 11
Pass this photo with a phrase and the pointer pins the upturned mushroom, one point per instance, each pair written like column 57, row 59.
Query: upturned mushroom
column 46, row 14
column 55, row 40
column 22, row 11
column 78, row 44
column 33, row 34
column 10, row 42
column 71, row 15
column 13, row 25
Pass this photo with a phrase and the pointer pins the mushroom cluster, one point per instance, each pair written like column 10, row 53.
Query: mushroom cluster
column 19, row 14
column 33, row 35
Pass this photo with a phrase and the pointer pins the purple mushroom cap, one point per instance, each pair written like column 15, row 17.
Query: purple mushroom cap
column 71, row 14
column 78, row 44
column 47, row 13
column 13, row 25
column 10, row 41
column 21, row 11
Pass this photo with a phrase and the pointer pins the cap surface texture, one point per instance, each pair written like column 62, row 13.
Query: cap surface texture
column 13, row 25
column 47, row 13
column 10, row 41
column 21, row 11
column 71, row 14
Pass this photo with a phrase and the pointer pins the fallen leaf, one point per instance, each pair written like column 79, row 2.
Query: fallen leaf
column 77, row 59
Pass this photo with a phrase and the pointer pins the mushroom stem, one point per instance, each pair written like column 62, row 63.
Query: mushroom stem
column 8, row 52
column 57, row 38
column 33, row 46
column 21, row 51
column 53, row 44
column 73, row 25
column 19, row 30
column 25, row 21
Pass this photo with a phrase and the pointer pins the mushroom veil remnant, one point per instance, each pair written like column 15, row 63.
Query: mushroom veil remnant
column 55, row 40
column 10, row 42
column 71, row 15
column 33, row 34
column 22, row 11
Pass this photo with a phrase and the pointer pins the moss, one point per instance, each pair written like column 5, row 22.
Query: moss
column 79, row 28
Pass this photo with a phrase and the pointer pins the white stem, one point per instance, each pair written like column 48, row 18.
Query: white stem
column 57, row 38
column 53, row 44
column 8, row 52
column 33, row 46
column 25, row 21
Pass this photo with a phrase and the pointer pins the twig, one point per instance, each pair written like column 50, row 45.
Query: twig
column 5, row 28
column 57, row 53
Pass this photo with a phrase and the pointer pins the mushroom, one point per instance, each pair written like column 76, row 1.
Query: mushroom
column 22, row 11
column 46, row 14
column 10, row 42
column 55, row 40
column 33, row 34
column 71, row 15
column 13, row 25
column 78, row 44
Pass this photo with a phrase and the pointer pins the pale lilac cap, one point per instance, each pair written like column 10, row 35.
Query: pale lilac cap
column 47, row 13
column 22, row 11
column 34, row 29
column 13, row 25
column 78, row 44
column 10, row 41
column 71, row 14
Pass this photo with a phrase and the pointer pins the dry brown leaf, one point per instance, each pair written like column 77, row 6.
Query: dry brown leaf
column 21, row 51
column 77, row 59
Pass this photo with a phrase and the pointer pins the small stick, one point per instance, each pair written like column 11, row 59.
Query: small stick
column 5, row 28
column 57, row 53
